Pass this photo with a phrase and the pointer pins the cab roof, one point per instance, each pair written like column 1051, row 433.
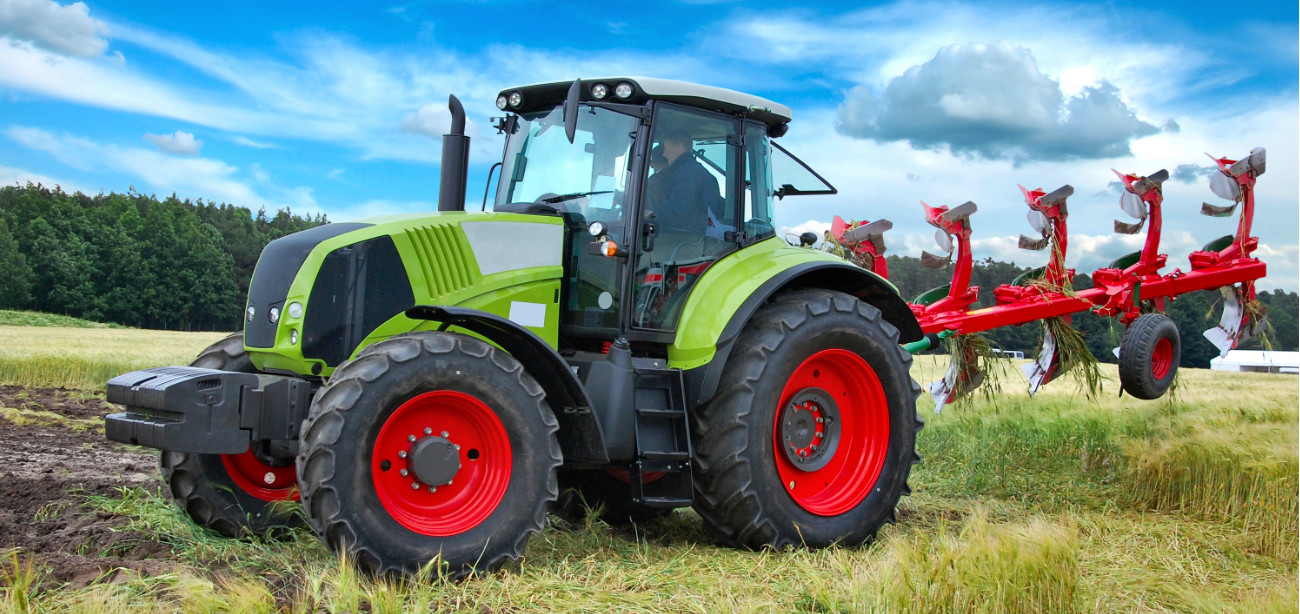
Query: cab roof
column 547, row 95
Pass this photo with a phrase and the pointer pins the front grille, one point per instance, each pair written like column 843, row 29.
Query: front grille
column 358, row 288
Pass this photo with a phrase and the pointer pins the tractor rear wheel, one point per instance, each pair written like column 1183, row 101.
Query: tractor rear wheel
column 1149, row 356
column 429, row 447
column 233, row 494
column 812, row 434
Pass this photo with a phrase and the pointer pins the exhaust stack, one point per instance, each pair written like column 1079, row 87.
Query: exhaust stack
column 455, row 160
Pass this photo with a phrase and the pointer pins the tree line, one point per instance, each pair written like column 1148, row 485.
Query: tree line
column 131, row 258
column 1192, row 312
column 166, row 263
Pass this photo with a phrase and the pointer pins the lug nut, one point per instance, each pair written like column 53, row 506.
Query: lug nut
column 814, row 447
column 445, row 434
column 803, row 453
column 415, row 486
column 401, row 454
column 817, row 435
column 269, row 478
column 410, row 438
column 819, row 420
column 428, row 431
column 403, row 473
column 433, row 489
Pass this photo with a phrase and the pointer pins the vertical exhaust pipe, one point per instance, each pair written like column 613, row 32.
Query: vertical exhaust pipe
column 455, row 160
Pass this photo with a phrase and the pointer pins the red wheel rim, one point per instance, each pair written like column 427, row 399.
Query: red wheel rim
column 1162, row 358
column 261, row 480
column 861, row 432
column 476, row 488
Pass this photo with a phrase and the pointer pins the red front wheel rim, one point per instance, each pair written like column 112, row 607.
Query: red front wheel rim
column 477, row 486
column 1162, row 358
column 836, row 395
column 261, row 480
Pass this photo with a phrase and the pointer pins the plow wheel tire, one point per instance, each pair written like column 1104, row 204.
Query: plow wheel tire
column 608, row 490
column 1149, row 355
column 430, row 447
column 236, row 495
column 812, row 434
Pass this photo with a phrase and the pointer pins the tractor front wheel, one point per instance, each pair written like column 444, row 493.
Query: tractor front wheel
column 1149, row 356
column 236, row 495
column 430, row 447
column 812, row 434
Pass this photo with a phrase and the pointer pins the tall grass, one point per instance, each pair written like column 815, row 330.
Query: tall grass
column 86, row 358
column 1054, row 504
column 1030, row 566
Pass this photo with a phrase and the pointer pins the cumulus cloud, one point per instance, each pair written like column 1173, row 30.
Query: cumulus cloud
column 991, row 101
column 1189, row 173
column 433, row 120
column 179, row 142
column 189, row 177
column 65, row 29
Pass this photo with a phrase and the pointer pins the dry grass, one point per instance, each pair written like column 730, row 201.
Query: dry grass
column 1050, row 504
column 86, row 358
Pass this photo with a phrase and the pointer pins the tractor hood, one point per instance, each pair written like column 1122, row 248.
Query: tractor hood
column 317, row 295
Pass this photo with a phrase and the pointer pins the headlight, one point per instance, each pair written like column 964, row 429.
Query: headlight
column 251, row 313
column 516, row 99
column 273, row 315
column 295, row 310
column 293, row 337
column 501, row 102
column 599, row 91
column 624, row 90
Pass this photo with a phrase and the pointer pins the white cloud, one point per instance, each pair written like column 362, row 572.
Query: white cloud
column 991, row 100
column 20, row 177
column 179, row 142
column 247, row 142
column 206, row 178
column 434, row 120
column 65, row 29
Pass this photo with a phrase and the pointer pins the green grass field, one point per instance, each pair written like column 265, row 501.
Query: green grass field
column 1049, row 504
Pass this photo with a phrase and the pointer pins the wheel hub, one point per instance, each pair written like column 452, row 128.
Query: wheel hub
column 434, row 460
column 809, row 431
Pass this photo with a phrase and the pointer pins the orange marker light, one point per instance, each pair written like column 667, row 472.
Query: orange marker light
column 609, row 248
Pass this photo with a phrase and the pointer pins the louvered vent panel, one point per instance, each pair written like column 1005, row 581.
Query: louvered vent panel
column 441, row 250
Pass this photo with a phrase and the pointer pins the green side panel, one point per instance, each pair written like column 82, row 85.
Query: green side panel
column 931, row 295
column 1219, row 244
column 1126, row 261
column 725, row 286
column 1025, row 278
column 443, row 269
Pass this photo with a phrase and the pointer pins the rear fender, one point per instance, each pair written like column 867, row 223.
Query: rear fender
column 805, row 269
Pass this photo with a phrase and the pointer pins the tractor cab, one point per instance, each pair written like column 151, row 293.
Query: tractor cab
column 656, row 180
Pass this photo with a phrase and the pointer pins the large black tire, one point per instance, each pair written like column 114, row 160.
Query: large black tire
column 227, row 493
column 584, row 490
column 383, row 412
column 811, row 359
column 1149, row 356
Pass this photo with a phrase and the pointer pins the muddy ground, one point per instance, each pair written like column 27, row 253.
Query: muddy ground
column 48, row 465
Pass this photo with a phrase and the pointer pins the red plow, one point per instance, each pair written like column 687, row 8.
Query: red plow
column 1132, row 288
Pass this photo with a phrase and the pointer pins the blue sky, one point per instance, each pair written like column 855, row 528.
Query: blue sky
column 337, row 107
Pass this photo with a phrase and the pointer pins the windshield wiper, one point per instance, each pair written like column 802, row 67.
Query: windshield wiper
column 563, row 197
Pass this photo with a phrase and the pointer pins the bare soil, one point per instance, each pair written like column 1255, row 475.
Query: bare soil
column 48, row 466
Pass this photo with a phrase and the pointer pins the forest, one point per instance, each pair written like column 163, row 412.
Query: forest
column 146, row 262
column 131, row 258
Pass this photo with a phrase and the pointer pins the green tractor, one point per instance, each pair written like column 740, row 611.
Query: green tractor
column 624, row 324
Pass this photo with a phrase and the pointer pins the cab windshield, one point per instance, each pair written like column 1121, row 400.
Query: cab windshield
column 588, row 176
